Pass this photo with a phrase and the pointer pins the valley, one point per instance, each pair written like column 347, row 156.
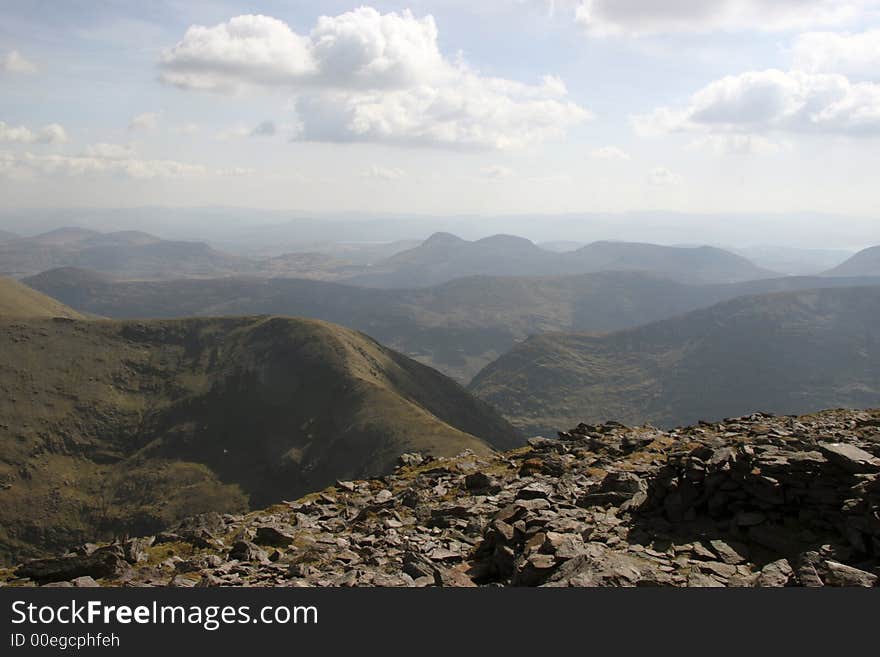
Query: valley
column 111, row 427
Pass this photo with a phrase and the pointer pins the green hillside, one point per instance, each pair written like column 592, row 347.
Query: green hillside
column 18, row 301
column 782, row 353
column 108, row 427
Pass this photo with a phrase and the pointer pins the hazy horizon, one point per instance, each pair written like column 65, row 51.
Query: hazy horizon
column 244, row 227
column 443, row 108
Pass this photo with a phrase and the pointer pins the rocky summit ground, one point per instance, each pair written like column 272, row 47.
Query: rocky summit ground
column 751, row 501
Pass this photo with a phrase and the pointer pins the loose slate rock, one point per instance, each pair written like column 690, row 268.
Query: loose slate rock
column 103, row 563
column 850, row 457
column 273, row 537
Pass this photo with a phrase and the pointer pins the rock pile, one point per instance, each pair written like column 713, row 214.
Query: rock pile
column 751, row 501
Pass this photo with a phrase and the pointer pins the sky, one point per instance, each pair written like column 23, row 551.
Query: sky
column 443, row 107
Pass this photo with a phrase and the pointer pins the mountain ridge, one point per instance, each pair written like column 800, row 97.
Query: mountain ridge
column 19, row 301
column 784, row 352
column 125, row 426
column 458, row 327
column 440, row 259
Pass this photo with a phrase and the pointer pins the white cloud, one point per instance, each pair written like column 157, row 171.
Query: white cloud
column 773, row 100
column 853, row 55
column 497, row 172
column 145, row 121
column 552, row 179
column 236, row 132
column 645, row 17
column 109, row 151
column 50, row 134
column 244, row 51
column 737, row 144
column 610, row 153
column 189, row 129
column 106, row 159
column 15, row 62
column 383, row 173
column 366, row 76
column 663, row 177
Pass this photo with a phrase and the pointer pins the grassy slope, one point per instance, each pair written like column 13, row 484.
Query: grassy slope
column 18, row 301
column 784, row 353
column 126, row 426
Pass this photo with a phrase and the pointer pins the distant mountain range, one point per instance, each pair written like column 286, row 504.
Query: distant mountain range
column 782, row 353
column 458, row 327
column 130, row 254
column 246, row 231
column 444, row 257
column 134, row 255
column 107, row 427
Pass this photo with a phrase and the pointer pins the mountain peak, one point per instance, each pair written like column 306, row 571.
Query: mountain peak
column 443, row 239
column 506, row 241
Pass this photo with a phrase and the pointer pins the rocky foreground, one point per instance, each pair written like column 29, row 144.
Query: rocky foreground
column 752, row 501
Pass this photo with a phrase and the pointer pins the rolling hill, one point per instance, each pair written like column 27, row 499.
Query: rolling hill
column 863, row 263
column 781, row 353
column 109, row 427
column 128, row 254
column 444, row 257
column 700, row 264
column 18, row 301
column 458, row 327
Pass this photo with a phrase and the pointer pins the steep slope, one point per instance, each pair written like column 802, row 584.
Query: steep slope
column 126, row 426
column 444, row 257
column 784, row 353
column 863, row 263
column 18, row 301
column 458, row 327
